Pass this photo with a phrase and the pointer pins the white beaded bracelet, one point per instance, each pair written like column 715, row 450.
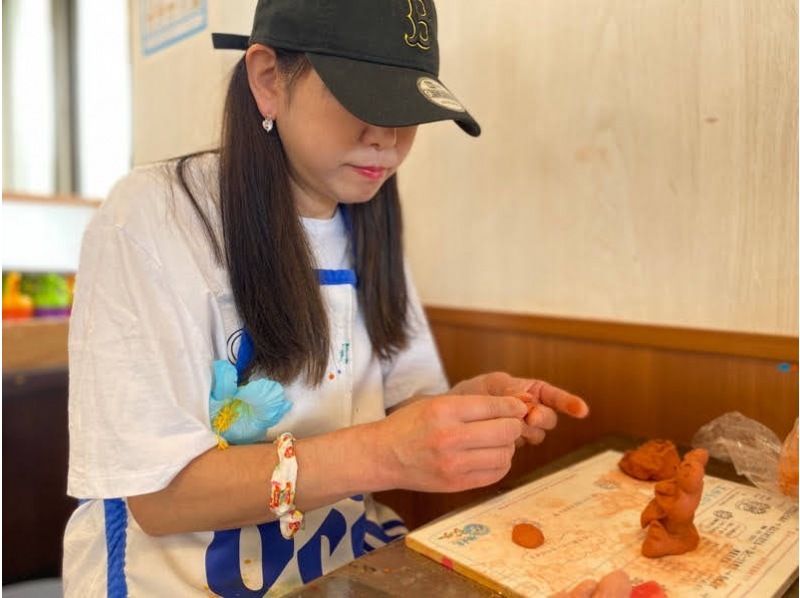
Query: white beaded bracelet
column 283, row 487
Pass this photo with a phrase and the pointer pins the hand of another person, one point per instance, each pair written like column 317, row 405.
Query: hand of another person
column 616, row 584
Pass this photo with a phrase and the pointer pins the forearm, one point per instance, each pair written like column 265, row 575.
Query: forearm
column 230, row 488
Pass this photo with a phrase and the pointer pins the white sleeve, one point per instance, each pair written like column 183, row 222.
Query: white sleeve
column 140, row 372
column 417, row 369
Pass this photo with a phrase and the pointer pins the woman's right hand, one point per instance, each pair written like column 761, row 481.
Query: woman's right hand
column 449, row 443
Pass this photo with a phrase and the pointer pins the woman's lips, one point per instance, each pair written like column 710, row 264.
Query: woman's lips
column 371, row 172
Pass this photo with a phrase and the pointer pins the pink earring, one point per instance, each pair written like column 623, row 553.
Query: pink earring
column 267, row 123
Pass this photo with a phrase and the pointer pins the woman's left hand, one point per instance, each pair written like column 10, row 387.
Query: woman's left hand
column 545, row 400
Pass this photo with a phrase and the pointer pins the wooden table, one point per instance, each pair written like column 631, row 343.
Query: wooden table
column 395, row 570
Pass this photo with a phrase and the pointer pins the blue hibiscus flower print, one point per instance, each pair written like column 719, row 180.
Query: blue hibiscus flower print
column 242, row 414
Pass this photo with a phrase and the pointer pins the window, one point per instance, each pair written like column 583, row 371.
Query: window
column 29, row 107
column 66, row 96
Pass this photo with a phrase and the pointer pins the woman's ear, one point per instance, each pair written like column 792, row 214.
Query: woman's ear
column 262, row 75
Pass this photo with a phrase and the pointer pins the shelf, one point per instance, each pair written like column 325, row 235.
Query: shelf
column 35, row 344
column 53, row 200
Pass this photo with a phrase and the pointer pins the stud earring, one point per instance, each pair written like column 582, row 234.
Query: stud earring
column 267, row 123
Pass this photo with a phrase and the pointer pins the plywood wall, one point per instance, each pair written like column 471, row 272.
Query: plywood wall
column 638, row 163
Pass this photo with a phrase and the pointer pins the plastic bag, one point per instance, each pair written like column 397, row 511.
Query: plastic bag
column 755, row 451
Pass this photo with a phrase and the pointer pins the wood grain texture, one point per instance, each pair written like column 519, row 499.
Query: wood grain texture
column 54, row 200
column 638, row 163
column 35, row 454
column 633, row 390
column 35, row 344
column 766, row 346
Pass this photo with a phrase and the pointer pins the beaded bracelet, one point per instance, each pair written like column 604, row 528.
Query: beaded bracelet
column 283, row 484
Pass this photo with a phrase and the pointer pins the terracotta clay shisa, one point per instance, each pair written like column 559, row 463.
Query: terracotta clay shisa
column 669, row 517
column 654, row 460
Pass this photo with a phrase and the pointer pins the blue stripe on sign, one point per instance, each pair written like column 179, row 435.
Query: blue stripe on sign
column 333, row 277
column 116, row 526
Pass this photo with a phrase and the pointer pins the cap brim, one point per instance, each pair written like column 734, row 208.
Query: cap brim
column 390, row 96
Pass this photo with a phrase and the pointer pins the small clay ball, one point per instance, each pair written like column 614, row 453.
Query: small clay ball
column 527, row 535
column 654, row 460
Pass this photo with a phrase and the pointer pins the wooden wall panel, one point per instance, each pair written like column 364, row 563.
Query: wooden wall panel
column 633, row 389
column 35, row 344
column 35, row 454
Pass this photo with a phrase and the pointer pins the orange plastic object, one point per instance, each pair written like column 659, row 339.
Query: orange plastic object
column 16, row 306
column 649, row 589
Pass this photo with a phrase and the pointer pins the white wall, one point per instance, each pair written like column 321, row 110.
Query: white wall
column 43, row 237
column 638, row 162
column 103, row 135
column 178, row 91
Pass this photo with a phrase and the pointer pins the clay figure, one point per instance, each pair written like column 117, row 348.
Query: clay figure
column 527, row 535
column 669, row 517
column 654, row 460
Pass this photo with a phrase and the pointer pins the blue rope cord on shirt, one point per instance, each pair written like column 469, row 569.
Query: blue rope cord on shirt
column 116, row 516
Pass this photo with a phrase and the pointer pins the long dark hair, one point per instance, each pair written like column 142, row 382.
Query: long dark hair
column 265, row 249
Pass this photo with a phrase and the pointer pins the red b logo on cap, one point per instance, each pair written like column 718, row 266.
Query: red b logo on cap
column 420, row 31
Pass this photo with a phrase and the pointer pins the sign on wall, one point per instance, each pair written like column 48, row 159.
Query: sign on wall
column 166, row 22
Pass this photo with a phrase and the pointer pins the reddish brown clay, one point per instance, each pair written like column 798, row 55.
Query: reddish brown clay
column 787, row 464
column 654, row 460
column 669, row 517
column 527, row 535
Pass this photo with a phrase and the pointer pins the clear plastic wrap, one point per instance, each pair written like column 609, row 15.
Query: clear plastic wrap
column 755, row 451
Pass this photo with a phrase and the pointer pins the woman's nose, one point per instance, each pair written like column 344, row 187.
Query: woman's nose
column 379, row 137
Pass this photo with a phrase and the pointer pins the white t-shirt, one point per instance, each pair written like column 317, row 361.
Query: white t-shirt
column 152, row 312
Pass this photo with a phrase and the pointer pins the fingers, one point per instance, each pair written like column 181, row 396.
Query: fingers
column 542, row 417
column 616, row 584
column 481, row 407
column 501, row 432
column 533, row 435
column 537, row 422
column 478, row 479
column 503, row 384
column 478, row 467
column 558, row 399
column 500, row 383
column 585, row 589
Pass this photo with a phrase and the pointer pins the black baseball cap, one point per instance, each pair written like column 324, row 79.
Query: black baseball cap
column 379, row 58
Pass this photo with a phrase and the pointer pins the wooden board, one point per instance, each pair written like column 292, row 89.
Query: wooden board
column 589, row 514
column 35, row 344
